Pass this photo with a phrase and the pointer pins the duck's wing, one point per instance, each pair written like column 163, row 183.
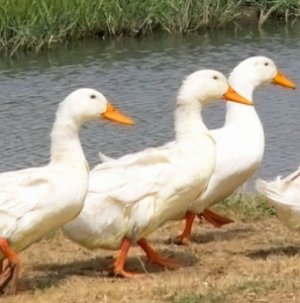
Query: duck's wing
column 21, row 192
column 148, row 154
column 16, row 177
column 134, row 177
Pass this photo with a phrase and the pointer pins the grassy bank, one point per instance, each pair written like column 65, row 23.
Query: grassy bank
column 257, row 261
column 33, row 24
column 245, row 207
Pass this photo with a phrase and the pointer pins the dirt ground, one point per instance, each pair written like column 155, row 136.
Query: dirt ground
column 242, row 262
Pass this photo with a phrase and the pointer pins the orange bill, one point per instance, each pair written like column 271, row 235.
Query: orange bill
column 114, row 114
column 282, row 80
column 232, row 95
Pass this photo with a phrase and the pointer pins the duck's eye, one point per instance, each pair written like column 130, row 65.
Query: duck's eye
column 215, row 77
column 93, row 96
column 266, row 63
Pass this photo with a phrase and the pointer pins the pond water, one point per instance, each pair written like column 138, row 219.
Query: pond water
column 141, row 76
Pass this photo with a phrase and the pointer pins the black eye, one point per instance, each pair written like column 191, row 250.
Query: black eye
column 215, row 77
column 93, row 96
column 266, row 63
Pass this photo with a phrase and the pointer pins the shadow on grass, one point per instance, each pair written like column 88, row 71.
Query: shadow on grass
column 48, row 275
column 289, row 251
column 222, row 235
column 217, row 235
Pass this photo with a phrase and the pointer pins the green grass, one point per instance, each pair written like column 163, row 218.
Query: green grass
column 36, row 24
column 246, row 207
column 284, row 9
column 32, row 24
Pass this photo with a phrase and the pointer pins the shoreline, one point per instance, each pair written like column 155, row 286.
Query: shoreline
column 59, row 22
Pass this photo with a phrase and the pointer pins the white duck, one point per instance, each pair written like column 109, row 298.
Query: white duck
column 284, row 195
column 239, row 143
column 35, row 200
column 132, row 196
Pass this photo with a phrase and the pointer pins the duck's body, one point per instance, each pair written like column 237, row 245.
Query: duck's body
column 239, row 143
column 132, row 196
column 142, row 191
column 284, row 196
column 240, row 148
column 33, row 201
column 242, row 132
column 29, row 206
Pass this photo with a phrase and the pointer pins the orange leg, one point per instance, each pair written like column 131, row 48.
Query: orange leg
column 118, row 266
column 214, row 218
column 154, row 257
column 184, row 238
column 10, row 273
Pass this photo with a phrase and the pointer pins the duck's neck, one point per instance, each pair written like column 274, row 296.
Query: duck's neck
column 188, row 120
column 240, row 112
column 65, row 143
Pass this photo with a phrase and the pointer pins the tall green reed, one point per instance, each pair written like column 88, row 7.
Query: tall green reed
column 34, row 24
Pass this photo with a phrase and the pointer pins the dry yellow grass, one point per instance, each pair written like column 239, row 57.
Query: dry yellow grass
column 242, row 262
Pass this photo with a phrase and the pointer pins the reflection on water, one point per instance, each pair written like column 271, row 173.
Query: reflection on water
column 142, row 77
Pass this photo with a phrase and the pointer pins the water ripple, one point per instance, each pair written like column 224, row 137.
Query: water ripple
column 142, row 77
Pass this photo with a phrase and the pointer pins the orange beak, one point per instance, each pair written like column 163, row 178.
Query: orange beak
column 282, row 80
column 113, row 114
column 232, row 95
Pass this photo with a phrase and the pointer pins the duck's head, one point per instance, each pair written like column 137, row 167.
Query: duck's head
column 87, row 104
column 258, row 70
column 206, row 86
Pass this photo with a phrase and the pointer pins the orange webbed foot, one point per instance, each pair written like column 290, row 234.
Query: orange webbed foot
column 117, row 271
column 214, row 218
column 165, row 262
column 154, row 258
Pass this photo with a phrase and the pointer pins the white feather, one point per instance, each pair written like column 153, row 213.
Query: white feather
column 284, row 195
column 103, row 158
column 35, row 200
column 240, row 142
column 135, row 194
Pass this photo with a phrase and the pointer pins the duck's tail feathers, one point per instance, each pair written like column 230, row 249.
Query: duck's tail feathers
column 294, row 175
column 272, row 190
column 103, row 158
